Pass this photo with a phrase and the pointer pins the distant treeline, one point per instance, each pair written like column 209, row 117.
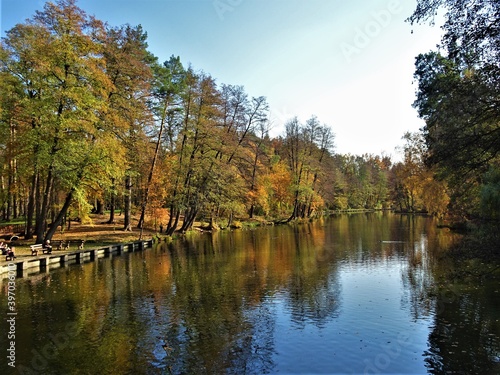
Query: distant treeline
column 91, row 120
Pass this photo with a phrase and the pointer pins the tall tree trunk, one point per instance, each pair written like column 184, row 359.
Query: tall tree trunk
column 254, row 174
column 172, row 226
column 58, row 220
column 10, row 191
column 15, row 194
column 99, row 209
column 112, row 204
column 295, row 211
column 189, row 219
column 173, row 220
column 151, row 171
column 32, row 198
column 127, row 225
column 313, row 187
column 170, row 219
column 38, row 201
column 41, row 219
column 12, row 188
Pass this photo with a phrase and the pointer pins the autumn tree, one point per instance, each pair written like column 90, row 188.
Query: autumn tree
column 259, row 147
column 127, row 65
column 82, row 89
column 419, row 189
column 59, row 63
column 274, row 193
column 197, row 145
column 164, row 103
column 305, row 147
column 11, row 196
column 245, row 125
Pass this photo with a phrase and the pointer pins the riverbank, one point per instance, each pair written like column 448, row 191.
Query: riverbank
column 97, row 232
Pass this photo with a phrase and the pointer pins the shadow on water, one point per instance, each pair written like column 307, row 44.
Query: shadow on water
column 465, row 335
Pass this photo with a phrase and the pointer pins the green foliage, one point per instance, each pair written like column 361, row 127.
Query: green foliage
column 458, row 99
column 471, row 30
column 362, row 182
column 490, row 194
column 68, row 126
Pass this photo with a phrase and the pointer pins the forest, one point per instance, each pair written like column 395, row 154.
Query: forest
column 91, row 121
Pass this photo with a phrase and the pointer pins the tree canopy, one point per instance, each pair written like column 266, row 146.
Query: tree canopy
column 458, row 96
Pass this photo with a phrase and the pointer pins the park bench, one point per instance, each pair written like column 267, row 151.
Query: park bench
column 59, row 245
column 36, row 248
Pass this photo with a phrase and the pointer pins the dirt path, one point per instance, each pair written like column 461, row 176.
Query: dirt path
column 95, row 234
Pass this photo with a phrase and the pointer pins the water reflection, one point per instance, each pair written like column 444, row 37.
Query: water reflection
column 466, row 330
column 351, row 294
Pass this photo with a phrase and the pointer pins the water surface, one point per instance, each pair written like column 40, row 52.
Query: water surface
column 351, row 294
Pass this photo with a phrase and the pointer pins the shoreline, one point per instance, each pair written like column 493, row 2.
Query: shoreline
column 32, row 265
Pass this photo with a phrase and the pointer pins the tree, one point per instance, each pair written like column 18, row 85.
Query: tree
column 277, row 182
column 245, row 126
column 419, row 189
column 462, row 119
column 57, row 60
column 164, row 103
column 197, row 149
column 305, row 147
column 12, row 171
column 490, row 194
column 472, row 31
column 128, row 64
column 258, row 153
column 81, row 90
column 458, row 95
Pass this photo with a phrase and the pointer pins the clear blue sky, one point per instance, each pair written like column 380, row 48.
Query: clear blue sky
column 350, row 63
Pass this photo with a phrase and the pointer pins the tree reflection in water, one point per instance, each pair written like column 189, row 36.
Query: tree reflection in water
column 464, row 338
column 466, row 316
column 325, row 296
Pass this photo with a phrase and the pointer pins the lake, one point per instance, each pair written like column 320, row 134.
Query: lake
column 350, row 294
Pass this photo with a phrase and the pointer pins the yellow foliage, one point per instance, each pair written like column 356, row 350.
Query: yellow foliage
column 435, row 196
column 281, row 179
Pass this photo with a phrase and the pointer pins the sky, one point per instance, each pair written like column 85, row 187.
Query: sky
column 349, row 63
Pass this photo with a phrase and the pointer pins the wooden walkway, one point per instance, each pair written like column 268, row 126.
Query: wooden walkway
column 26, row 265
